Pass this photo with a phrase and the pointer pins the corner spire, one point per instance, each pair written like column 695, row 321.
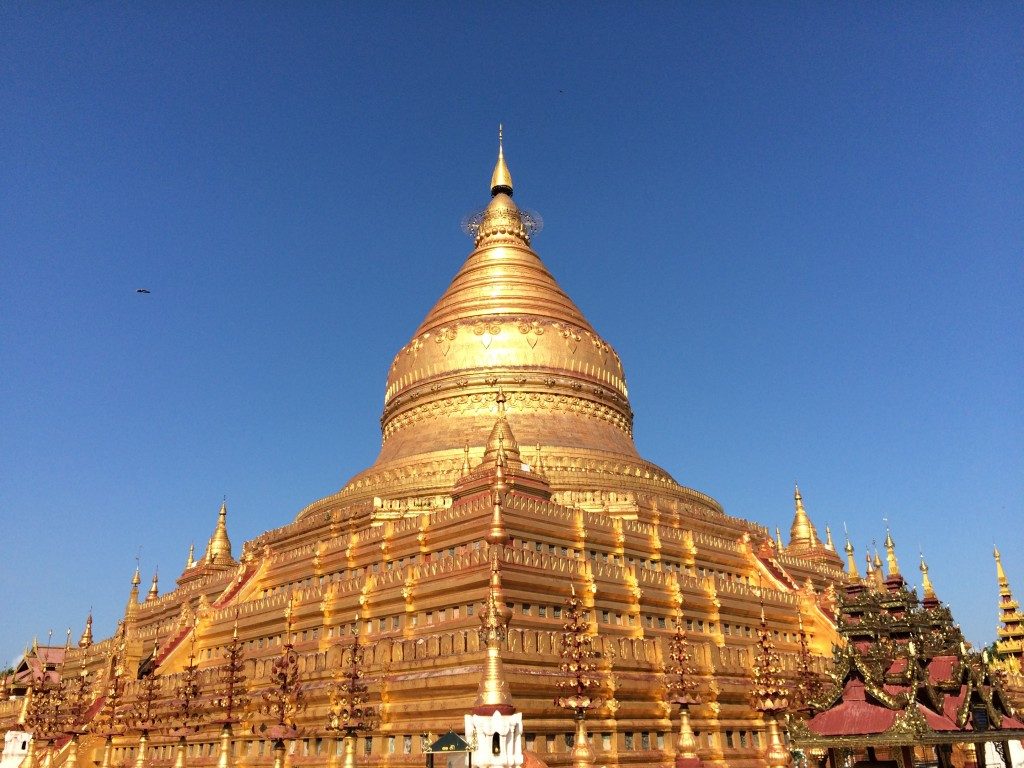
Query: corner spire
column 86, row 639
column 851, row 562
column 930, row 598
column 133, row 596
column 890, row 553
column 154, row 590
column 501, row 179
column 191, row 562
column 219, row 548
column 801, row 532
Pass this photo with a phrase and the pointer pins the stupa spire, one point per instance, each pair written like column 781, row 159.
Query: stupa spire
column 851, row 562
column 890, row 553
column 801, row 532
column 219, row 548
column 133, row 595
column 930, row 599
column 501, row 179
column 86, row 639
column 154, row 589
column 828, row 540
column 191, row 562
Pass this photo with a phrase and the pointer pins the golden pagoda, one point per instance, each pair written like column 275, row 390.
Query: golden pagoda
column 507, row 481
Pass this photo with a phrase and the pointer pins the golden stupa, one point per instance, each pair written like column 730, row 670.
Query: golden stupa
column 507, row 481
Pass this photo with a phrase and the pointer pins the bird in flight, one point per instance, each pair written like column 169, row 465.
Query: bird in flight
column 142, row 290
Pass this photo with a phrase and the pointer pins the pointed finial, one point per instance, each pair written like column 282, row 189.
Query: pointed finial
column 154, row 591
column 465, row 460
column 890, row 552
column 828, row 539
column 219, row 548
column 801, row 532
column 539, row 468
column 926, row 582
column 1000, row 573
column 851, row 561
column 86, row 639
column 501, row 179
column 137, row 576
column 191, row 562
column 67, row 640
column 778, row 537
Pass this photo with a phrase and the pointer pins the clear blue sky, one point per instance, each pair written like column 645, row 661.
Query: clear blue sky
column 801, row 226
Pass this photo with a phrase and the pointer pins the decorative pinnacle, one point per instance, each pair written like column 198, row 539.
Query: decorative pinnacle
column 802, row 530
column 890, row 552
column 501, row 179
column 219, row 548
column 86, row 639
column 1004, row 583
column 154, row 590
column 926, row 582
column 191, row 562
column 828, row 539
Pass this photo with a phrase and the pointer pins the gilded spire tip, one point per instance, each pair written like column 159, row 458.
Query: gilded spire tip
column 501, row 179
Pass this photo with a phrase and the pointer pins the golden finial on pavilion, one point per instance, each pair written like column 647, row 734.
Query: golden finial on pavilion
column 133, row 595
column 828, row 540
column 465, row 460
column 876, row 570
column 890, row 553
column 539, row 468
column 851, row 562
column 778, row 538
column 926, row 582
column 191, row 562
column 86, row 639
column 501, row 179
column 154, row 590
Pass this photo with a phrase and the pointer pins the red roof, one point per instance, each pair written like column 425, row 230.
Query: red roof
column 853, row 715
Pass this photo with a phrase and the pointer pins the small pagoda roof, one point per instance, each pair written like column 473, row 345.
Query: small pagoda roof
column 450, row 742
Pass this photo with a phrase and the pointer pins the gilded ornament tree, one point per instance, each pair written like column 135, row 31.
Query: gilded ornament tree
column 681, row 686
column 186, row 714
column 144, row 711
column 231, row 699
column 808, row 683
column 579, row 683
column 285, row 698
column 74, row 697
column 769, row 695
column 112, row 718
column 40, row 715
column 350, row 712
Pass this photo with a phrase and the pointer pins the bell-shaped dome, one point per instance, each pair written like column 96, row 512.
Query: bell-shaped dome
column 504, row 321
